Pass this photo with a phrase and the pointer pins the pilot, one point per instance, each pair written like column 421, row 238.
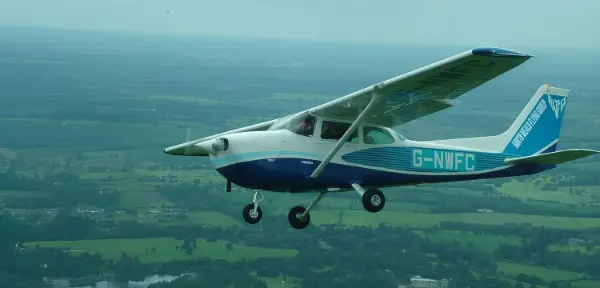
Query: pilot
column 303, row 128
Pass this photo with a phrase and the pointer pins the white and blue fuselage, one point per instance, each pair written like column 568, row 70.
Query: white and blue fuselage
column 337, row 146
column 281, row 160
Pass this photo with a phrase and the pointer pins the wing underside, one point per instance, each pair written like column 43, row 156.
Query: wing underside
column 426, row 90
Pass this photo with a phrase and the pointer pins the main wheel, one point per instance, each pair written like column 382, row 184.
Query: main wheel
column 295, row 220
column 250, row 215
column 373, row 200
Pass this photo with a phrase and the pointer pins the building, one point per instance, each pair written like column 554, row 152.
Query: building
column 420, row 282
column 577, row 241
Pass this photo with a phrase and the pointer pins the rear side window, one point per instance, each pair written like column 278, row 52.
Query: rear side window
column 374, row 135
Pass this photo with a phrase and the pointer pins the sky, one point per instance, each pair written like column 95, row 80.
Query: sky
column 474, row 22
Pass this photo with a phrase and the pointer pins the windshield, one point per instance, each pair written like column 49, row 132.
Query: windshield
column 399, row 136
column 282, row 123
column 301, row 124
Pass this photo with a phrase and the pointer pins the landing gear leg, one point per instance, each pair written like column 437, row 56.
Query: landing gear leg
column 373, row 199
column 252, row 212
column 299, row 216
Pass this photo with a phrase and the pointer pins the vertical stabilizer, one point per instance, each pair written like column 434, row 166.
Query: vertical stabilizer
column 537, row 128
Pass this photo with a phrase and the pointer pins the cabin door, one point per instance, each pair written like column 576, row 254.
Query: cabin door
column 330, row 133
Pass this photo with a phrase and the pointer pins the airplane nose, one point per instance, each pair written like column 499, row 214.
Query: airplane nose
column 172, row 150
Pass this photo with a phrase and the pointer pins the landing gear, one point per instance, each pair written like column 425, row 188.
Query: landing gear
column 299, row 216
column 373, row 199
column 296, row 218
column 252, row 212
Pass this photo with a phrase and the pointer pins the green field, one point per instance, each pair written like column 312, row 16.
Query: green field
column 528, row 190
column 213, row 218
column 571, row 248
column 165, row 249
column 277, row 282
column 423, row 220
column 485, row 243
column 514, row 269
column 586, row 284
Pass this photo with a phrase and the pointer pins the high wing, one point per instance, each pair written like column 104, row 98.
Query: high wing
column 424, row 91
column 400, row 99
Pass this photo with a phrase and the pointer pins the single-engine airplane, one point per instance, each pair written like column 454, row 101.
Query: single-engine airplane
column 346, row 144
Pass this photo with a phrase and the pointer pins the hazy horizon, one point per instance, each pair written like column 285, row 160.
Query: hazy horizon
column 466, row 22
column 14, row 32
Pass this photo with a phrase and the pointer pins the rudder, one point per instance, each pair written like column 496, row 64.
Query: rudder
column 537, row 129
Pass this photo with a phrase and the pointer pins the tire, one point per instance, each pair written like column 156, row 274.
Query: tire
column 294, row 221
column 373, row 200
column 251, row 216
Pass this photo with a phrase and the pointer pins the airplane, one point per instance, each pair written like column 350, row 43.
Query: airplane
column 347, row 144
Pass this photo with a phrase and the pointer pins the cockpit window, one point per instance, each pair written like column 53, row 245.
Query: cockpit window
column 402, row 138
column 304, row 125
column 335, row 130
column 374, row 135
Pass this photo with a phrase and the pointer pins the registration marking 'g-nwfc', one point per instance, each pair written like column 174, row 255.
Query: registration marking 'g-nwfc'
column 443, row 160
column 533, row 118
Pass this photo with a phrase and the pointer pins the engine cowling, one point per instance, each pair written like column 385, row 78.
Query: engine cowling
column 215, row 145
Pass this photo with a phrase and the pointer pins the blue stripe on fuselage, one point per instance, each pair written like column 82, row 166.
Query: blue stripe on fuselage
column 233, row 158
column 426, row 159
column 292, row 175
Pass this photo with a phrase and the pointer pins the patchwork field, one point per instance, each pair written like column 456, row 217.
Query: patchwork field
column 514, row 269
column 165, row 249
column 423, row 220
column 484, row 243
column 104, row 119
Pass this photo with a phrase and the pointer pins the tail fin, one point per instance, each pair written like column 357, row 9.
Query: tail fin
column 537, row 128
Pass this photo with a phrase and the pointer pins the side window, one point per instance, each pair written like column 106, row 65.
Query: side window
column 334, row 131
column 374, row 135
column 304, row 126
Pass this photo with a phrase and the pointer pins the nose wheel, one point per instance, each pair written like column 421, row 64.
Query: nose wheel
column 252, row 212
column 299, row 216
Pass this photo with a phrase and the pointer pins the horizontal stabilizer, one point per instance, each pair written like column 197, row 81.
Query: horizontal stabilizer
column 557, row 157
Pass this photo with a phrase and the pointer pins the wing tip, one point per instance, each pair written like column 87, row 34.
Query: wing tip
column 557, row 90
column 499, row 52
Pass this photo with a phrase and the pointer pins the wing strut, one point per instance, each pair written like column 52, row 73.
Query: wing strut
column 374, row 99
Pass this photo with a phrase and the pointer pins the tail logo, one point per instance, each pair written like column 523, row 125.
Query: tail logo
column 557, row 105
